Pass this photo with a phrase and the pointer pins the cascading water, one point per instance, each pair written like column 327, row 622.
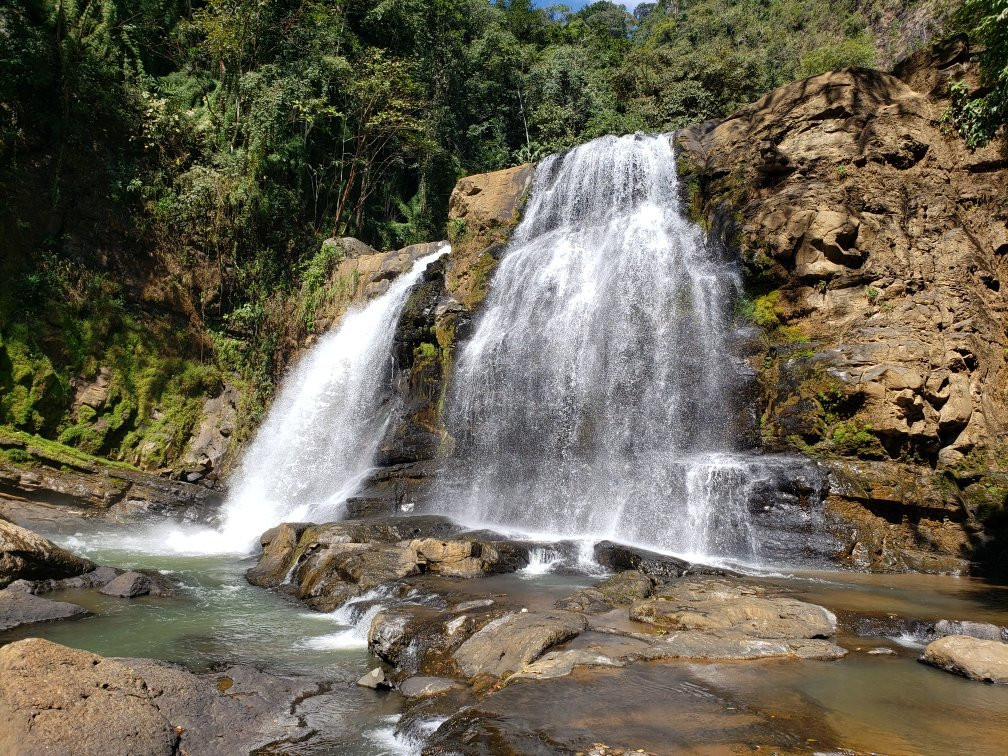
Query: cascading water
column 319, row 440
column 599, row 393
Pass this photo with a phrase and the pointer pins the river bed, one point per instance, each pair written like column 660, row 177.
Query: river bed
column 888, row 703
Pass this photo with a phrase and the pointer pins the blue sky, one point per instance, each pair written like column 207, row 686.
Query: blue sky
column 576, row 4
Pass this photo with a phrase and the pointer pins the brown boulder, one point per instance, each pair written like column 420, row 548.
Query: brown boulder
column 975, row 658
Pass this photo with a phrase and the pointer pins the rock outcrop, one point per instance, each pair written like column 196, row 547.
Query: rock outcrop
column 326, row 565
column 874, row 249
column 483, row 211
column 53, row 698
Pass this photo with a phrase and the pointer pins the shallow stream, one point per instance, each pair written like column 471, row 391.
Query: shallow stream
column 886, row 703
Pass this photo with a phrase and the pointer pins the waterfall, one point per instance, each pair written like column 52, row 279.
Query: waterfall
column 598, row 393
column 319, row 439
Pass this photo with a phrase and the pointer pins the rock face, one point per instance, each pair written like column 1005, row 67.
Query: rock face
column 27, row 555
column 874, row 249
column 483, row 210
column 975, row 658
column 210, row 449
column 66, row 480
column 52, row 696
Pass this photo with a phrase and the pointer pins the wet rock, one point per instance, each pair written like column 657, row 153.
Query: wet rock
column 51, row 696
column 622, row 589
column 27, row 555
column 97, row 578
column 68, row 482
column 285, row 546
column 325, row 565
column 508, row 643
column 981, row 630
column 464, row 559
column 715, row 605
column 278, row 548
column 329, row 575
column 562, row 663
column 19, row 607
column 129, row 585
column 619, row 557
column 375, row 679
column 422, row 687
column 419, row 640
column 882, row 651
column 735, row 645
column 975, row 658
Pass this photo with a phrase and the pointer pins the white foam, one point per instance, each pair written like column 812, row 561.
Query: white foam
column 356, row 621
column 392, row 743
column 541, row 561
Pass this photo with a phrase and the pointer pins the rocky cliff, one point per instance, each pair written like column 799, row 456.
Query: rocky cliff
column 874, row 246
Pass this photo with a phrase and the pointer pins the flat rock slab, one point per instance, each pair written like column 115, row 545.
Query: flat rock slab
column 52, row 696
column 622, row 589
column 693, row 645
column 507, row 644
column 622, row 647
column 22, row 608
column 716, row 605
column 975, row 658
column 562, row 663
column 422, row 687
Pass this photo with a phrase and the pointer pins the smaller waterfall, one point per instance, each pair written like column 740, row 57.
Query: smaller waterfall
column 318, row 442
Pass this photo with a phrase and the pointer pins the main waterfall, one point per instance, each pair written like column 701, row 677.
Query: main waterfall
column 319, row 440
column 598, row 394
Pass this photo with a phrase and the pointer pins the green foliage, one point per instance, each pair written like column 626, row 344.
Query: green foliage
column 980, row 115
column 313, row 281
column 872, row 293
column 853, row 51
column 856, row 439
column 764, row 310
